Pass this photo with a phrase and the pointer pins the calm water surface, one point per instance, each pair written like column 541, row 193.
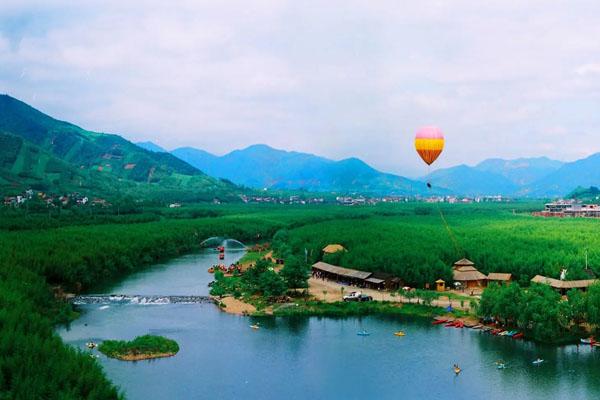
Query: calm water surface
column 316, row 358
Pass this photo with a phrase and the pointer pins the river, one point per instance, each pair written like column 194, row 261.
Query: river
column 220, row 357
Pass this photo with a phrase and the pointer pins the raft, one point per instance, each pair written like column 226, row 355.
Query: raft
column 457, row 370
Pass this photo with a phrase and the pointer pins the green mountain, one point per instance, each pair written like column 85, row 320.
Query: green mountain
column 260, row 166
column 46, row 154
column 591, row 194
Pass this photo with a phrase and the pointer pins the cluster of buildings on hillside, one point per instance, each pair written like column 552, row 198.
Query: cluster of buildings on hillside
column 569, row 208
column 466, row 277
column 362, row 200
column 294, row 199
column 466, row 200
column 74, row 198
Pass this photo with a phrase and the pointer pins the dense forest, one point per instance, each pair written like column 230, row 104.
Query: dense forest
column 80, row 251
column 540, row 312
column 420, row 248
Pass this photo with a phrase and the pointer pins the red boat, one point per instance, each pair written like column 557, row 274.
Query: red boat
column 439, row 321
column 518, row 335
column 450, row 324
column 221, row 256
column 459, row 324
column 496, row 331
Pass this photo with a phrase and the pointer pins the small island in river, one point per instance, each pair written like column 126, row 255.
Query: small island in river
column 141, row 348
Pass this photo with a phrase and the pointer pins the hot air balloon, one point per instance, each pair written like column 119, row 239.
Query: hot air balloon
column 429, row 143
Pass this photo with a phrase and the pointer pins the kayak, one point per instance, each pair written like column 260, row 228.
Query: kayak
column 457, row 370
column 517, row 335
column 588, row 341
column 439, row 321
column 255, row 326
column 538, row 361
column 400, row 333
column 363, row 333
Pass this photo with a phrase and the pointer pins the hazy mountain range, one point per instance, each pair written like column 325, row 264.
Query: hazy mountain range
column 262, row 166
column 40, row 152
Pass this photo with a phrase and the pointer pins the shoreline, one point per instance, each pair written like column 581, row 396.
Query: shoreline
column 139, row 357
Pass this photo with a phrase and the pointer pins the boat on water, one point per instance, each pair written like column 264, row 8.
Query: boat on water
column 501, row 366
column 439, row 321
column 589, row 341
column 456, row 369
column 211, row 270
column 400, row 333
column 91, row 345
column 363, row 333
column 538, row 361
column 518, row 335
column 255, row 326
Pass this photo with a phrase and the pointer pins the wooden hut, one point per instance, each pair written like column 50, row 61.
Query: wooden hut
column 564, row 286
column 340, row 274
column 383, row 281
column 440, row 285
column 467, row 275
column 500, row 278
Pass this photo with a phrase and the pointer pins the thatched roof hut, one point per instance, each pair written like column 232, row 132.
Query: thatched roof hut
column 333, row 248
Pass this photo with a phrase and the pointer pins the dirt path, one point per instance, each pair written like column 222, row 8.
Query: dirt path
column 330, row 292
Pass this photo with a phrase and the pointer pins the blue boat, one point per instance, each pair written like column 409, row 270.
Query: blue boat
column 363, row 333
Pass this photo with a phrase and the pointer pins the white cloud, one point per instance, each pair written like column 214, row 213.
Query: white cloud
column 338, row 78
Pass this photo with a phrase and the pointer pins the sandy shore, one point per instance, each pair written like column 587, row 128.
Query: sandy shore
column 138, row 357
column 235, row 306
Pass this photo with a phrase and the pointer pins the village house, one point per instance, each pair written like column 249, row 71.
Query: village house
column 465, row 273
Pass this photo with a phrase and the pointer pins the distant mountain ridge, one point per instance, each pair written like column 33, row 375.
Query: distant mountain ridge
column 150, row 146
column 261, row 166
column 497, row 176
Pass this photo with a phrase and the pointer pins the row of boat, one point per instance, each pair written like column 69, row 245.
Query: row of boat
column 457, row 323
column 220, row 267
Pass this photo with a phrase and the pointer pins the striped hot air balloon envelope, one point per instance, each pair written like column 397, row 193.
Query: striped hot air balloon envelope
column 429, row 143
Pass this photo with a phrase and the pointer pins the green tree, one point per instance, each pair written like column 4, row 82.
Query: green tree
column 295, row 273
column 271, row 284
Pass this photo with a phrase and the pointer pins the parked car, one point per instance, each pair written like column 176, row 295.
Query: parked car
column 357, row 296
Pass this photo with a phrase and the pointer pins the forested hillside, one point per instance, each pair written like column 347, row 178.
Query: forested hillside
column 45, row 154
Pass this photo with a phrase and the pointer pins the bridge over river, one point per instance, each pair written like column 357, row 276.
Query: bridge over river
column 138, row 299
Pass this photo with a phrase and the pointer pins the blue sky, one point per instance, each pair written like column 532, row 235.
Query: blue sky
column 339, row 79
